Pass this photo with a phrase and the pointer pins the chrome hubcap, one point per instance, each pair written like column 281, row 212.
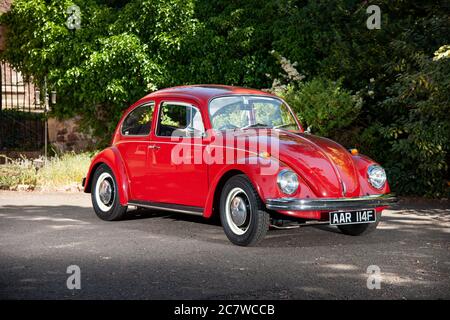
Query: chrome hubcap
column 238, row 211
column 105, row 191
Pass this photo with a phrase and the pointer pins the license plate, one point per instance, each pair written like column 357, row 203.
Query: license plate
column 352, row 217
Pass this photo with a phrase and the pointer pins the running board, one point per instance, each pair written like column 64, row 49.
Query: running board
column 198, row 211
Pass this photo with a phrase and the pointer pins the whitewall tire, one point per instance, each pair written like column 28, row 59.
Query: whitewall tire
column 244, row 220
column 105, row 195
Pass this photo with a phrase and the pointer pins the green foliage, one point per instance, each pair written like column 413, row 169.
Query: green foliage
column 324, row 105
column 404, row 121
column 15, row 114
column 419, row 135
column 230, row 45
column 126, row 48
column 116, row 56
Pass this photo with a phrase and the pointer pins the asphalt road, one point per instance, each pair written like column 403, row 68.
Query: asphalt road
column 159, row 255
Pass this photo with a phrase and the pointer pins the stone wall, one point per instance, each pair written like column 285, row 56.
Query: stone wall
column 65, row 135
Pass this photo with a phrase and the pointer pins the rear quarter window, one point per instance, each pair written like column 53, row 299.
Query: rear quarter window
column 138, row 122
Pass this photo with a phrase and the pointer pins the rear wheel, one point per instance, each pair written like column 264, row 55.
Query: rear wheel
column 242, row 212
column 105, row 195
column 361, row 228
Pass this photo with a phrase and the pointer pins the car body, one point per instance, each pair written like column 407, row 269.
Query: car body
column 277, row 172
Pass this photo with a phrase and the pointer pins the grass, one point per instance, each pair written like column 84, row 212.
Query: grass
column 17, row 173
column 60, row 172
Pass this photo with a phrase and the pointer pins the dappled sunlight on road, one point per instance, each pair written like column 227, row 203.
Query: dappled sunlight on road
column 163, row 255
column 341, row 267
column 438, row 220
column 39, row 218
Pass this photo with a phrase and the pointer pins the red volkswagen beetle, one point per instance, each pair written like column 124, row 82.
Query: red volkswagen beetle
column 238, row 153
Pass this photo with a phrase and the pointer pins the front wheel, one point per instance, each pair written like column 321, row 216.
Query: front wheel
column 242, row 212
column 105, row 195
column 360, row 228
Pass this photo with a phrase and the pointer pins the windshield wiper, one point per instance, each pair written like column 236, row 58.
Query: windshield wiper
column 256, row 125
column 284, row 125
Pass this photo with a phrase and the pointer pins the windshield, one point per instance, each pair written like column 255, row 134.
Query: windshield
column 240, row 112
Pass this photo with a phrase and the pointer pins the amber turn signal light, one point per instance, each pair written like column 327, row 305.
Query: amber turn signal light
column 354, row 151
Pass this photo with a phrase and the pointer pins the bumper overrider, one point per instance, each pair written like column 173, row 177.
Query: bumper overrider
column 331, row 204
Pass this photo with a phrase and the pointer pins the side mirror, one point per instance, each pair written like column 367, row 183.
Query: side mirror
column 308, row 130
column 190, row 132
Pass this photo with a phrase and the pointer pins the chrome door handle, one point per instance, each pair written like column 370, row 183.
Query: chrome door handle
column 154, row 146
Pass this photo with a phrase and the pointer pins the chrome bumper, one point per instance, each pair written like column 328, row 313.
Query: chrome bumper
column 330, row 204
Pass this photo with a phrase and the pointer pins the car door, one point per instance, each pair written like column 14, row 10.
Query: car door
column 177, row 172
column 133, row 147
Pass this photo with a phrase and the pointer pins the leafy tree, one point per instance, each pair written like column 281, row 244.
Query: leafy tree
column 120, row 52
column 125, row 49
column 403, row 122
column 230, row 45
column 324, row 105
column 419, row 135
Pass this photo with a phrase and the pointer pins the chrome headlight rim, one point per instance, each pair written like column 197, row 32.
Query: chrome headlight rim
column 287, row 187
column 376, row 181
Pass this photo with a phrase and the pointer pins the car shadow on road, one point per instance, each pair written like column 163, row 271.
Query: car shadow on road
column 327, row 267
column 396, row 226
column 143, row 213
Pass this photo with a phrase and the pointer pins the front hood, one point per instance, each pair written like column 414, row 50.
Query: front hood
column 325, row 166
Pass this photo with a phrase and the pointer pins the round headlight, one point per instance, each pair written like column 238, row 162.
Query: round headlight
column 377, row 176
column 287, row 181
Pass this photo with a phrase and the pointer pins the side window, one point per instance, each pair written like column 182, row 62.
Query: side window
column 180, row 121
column 139, row 121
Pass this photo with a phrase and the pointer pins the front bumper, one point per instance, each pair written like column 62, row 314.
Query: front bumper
column 330, row 204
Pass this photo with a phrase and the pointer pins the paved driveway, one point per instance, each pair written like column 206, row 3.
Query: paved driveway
column 158, row 255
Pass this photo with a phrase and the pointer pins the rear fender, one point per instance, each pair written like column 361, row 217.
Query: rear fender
column 112, row 158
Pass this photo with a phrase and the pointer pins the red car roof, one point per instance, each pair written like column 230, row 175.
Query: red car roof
column 204, row 92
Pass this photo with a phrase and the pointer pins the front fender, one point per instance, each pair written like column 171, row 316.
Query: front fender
column 112, row 158
column 261, row 178
column 363, row 162
column 262, row 174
